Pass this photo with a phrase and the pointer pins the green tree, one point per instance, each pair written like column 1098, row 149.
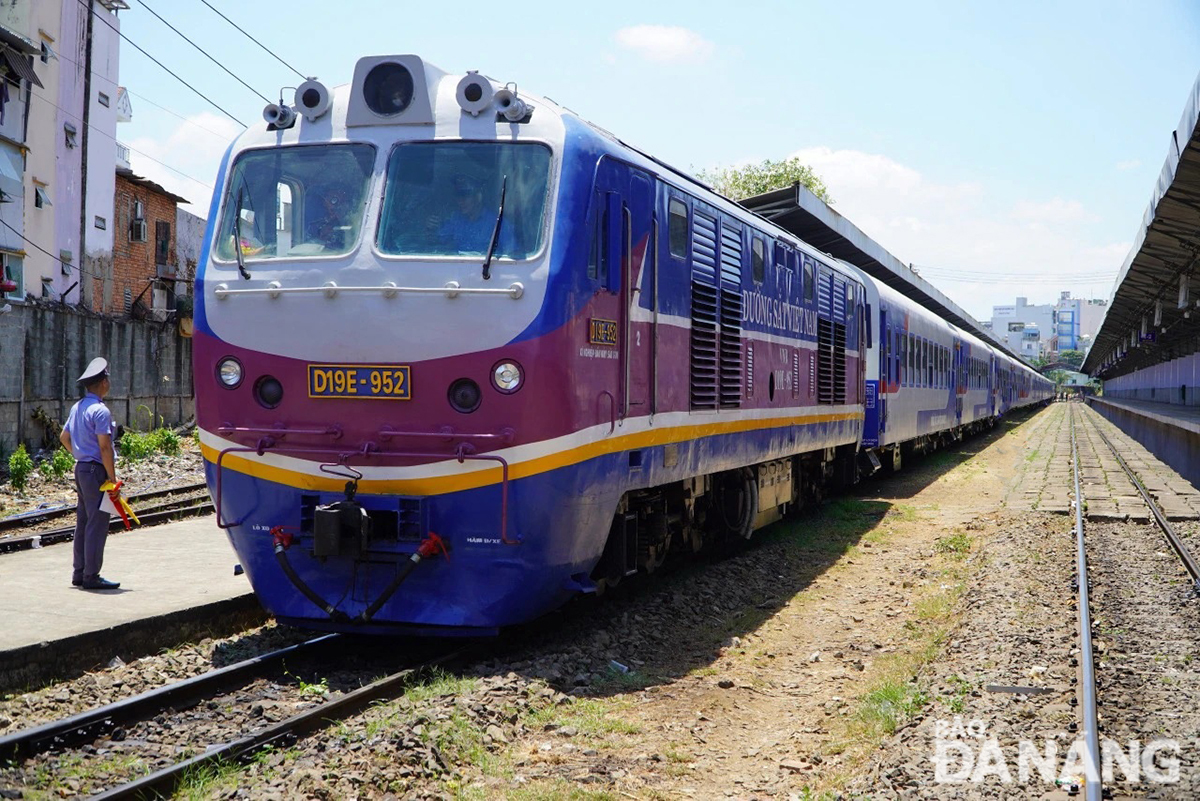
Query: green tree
column 1071, row 357
column 755, row 179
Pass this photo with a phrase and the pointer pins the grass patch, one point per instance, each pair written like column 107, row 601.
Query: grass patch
column 891, row 703
column 958, row 545
column 591, row 716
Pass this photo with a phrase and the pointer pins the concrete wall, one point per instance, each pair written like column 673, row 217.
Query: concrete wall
column 44, row 348
column 1176, row 381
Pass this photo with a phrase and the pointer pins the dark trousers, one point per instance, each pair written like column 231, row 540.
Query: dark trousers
column 91, row 525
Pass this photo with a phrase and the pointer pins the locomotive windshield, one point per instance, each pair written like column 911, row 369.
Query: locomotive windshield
column 306, row 200
column 443, row 199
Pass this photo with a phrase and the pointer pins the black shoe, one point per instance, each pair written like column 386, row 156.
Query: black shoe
column 101, row 584
column 76, row 582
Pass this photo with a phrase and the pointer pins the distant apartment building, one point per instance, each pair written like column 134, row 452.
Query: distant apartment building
column 145, row 263
column 1044, row 330
column 59, row 106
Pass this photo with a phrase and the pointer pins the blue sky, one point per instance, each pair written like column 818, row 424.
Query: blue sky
column 1002, row 149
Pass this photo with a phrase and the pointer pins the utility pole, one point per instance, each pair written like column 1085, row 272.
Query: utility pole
column 85, row 286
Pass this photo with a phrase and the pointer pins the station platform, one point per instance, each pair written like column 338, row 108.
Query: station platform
column 1172, row 414
column 177, row 583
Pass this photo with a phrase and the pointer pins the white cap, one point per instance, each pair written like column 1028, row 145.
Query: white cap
column 98, row 368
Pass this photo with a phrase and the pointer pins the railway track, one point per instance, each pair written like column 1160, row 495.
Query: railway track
column 138, row 727
column 172, row 504
column 1137, row 624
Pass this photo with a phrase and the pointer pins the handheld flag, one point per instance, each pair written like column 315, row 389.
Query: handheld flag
column 112, row 502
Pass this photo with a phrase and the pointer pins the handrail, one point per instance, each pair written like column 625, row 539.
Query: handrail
column 334, row 431
column 505, row 434
column 462, row 453
column 330, row 289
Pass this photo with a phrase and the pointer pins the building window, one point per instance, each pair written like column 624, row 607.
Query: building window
column 70, row 132
column 46, row 53
column 162, row 241
column 101, row 223
column 40, row 199
column 14, row 271
column 103, row 98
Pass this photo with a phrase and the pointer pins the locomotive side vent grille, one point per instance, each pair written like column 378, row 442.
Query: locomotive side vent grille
column 705, row 334
column 824, row 361
column 750, row 370
column 839, row 363
column 796, row 373
column 731, row 317
column 731, row 349
column 704, row 346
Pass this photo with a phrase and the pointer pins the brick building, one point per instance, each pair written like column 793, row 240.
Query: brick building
column 145, row 259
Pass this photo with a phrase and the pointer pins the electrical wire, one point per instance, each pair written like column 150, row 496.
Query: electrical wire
column 36, row 246
column 103, row 132
column 68, row 59
column 251, row 38
column 203, row 51
column 166, row 69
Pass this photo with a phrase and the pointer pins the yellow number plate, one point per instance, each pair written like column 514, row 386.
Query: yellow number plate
column 359, row 381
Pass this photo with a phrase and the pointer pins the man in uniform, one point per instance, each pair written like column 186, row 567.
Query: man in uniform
column 89, row 435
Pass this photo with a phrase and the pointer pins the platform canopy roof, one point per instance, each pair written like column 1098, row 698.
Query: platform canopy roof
column 1154, row 313
column 798, row 210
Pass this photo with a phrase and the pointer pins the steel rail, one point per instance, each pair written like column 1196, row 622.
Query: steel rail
column 163, row 782
column 87, row 726
column 41, row 515
column 1181, row 549
column 1093, row 790
column 155, row 514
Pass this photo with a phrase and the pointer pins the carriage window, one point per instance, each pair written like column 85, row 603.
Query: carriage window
column 677, row 228
column 443, row 199
column 758, row 270
column 598, row 258
column 306, row 200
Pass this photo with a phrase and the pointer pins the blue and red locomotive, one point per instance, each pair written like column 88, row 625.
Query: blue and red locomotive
column 461, row 355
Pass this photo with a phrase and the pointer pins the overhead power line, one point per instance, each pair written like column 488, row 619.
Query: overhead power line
column 205, row 53
column 69, row 60
column 36, row 246
column 165, row 68
column 251, row 38
column 110, row 136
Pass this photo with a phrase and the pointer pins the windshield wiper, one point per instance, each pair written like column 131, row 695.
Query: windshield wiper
column 487, row 263
column 237, row 236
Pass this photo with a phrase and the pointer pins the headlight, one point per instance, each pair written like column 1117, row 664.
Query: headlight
column 507, row 377
column 464, row 395
column 269, row 391
column 229, row 372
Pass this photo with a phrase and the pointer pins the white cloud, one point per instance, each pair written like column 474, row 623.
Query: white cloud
column 1132, row 164
column 188, row 149
column 1053, row 211
column 665, row 43
column 969, row 246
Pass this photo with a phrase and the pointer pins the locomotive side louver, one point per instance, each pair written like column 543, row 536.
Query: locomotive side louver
column 838, row 313
column 731, row 317
column 703, row 357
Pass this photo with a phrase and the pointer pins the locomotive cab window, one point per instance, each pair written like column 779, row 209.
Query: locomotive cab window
column 809, row 286
column 677, row 228
column 443, row 199
column 758, row 270
column 306, row 200
column 599, row 256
